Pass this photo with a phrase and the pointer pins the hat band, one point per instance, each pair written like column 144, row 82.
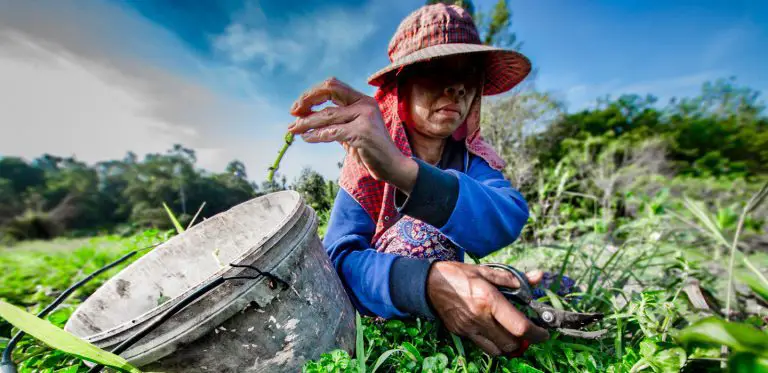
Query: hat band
column 430, row 35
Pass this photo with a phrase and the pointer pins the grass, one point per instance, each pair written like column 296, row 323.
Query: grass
column 636, row 275
column 35, row 272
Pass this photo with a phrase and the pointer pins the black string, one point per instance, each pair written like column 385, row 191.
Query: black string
column 260, row 272
column 183, row 303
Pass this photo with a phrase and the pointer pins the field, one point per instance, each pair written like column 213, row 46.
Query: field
column 642, row 275
column 658, row 212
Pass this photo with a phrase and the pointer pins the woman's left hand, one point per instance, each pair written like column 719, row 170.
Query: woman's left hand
column 356, row 122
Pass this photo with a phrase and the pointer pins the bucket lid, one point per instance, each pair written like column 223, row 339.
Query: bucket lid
column 156, row 281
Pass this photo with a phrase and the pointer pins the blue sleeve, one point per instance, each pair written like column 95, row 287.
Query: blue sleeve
column 489, row 213
column 364, row 272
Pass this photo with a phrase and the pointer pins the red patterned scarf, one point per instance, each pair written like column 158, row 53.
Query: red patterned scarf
column 377, row 197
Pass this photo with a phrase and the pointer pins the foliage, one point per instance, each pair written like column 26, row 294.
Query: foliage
column 644, row 205
column 722, row 131
column 494, row 27
column 317, row 192
column 507, row 121
column 34, row 273
column 636, row 275
column 61, row 340
column 51, row 195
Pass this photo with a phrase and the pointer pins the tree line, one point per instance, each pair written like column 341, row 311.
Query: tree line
column 51, row 195
column 721, row 133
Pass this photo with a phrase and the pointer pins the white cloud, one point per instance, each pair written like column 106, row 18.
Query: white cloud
column 72, row 83
column 245, row 45
column 65, row 90
column 329, row 36
column 63, row 107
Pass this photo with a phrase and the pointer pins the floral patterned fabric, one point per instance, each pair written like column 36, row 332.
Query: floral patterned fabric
column 414, row 238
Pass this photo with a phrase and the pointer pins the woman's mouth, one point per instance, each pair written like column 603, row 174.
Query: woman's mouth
column 452, row 110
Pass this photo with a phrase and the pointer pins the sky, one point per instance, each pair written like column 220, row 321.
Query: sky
column 95, row 79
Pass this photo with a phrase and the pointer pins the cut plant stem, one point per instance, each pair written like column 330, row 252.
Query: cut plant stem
column 751, row 204
column 288, row 141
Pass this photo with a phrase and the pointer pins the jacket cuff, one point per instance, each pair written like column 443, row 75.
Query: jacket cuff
column 433, row 198
column 408, row 286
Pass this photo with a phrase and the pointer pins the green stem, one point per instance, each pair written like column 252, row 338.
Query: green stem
column 754, row 269
column 276, row 164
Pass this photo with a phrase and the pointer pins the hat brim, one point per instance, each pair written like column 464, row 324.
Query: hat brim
column 504, row 68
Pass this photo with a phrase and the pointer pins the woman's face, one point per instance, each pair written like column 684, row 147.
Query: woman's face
column 440, row 92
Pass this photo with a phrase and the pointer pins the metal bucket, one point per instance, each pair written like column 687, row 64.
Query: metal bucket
column 243, row 325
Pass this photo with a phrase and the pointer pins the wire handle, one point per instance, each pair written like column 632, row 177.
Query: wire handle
column 524, row 293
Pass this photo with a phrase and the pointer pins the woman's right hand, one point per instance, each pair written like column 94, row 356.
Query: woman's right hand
column 467, row 301
column 358, row 125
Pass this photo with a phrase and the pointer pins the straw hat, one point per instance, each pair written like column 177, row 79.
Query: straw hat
column 441, row 30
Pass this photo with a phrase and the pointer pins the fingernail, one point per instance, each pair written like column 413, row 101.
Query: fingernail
column 294, row 106
column 291, row 126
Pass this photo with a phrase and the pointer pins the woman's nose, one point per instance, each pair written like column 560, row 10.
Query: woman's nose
column 458, row 90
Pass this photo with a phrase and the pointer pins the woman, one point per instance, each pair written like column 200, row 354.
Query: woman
column 420, row 188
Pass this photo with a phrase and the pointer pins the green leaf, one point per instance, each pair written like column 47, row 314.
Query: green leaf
column 412, row 331
column 756, row 285
column 747, row 363
column 578, row 347
column 60, row 316
column 670, row 360
column 435, row 364
column 71, row 369
column 179, row 228
column 383, row 357
column 458, row 344
column 648, row 348
column 60, row 339
column 396, row 327
column 521, row 366
column 359, row 343
column 714, row 331
column 413, row 351
column 554, row 299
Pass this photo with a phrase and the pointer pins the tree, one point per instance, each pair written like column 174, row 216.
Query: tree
column 507, row 122
column 494, row 28
column 21, row 174
column 314, row 189
column 237, row 169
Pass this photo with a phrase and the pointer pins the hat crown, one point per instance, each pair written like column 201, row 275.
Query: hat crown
column 432, row 25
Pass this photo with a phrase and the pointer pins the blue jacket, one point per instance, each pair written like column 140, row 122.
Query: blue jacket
column 469, row 202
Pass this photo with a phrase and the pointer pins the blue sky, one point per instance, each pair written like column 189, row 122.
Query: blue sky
column 96, row 78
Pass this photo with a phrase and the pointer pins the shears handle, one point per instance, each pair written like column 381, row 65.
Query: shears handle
column 524, row 293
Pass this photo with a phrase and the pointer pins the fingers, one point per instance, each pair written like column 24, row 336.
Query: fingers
column 331, row 89
column 334, row 132
column 506, row 279
column 534, row 277
column 505, row 341
column 499, row 277
column 516, row 323
column 485, row 343
column 325, row 117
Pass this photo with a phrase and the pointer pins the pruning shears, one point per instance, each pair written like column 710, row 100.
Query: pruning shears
column 566, row 322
